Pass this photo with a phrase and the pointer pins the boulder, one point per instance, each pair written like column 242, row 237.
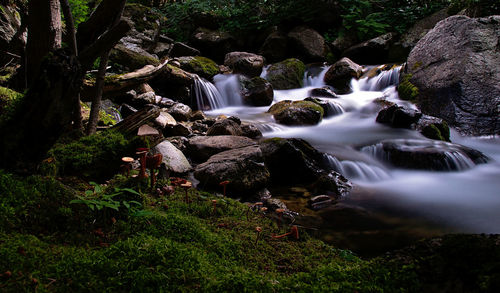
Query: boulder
column 433, row 128
column 309, row 44
column 180, row 112
column 330, row 108
column 323, row 92
column 295, row 160
column 287, row 74
column 200, row 148
column 132, row 57
column 181, row 49
column 374, row 51
column 340, row 74
column 426, row 154
column 297, row 112
column 202, row 66
column 421, row 28
column 251, row 131
column 398, row 116
column 275, row 47
column 127, row 110
column 179, row 129
column 455, row 69
column 161, row 50
column 244, row 168
column 213, row 44
column 173, row 158
column 165, row 120
column 225, row 127
column 248, row 64
column 143, row 99
column 256, row 91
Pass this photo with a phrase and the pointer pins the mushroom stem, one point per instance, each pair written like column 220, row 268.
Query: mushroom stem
column 258, row 230
column 294, row 231
column 214, row 203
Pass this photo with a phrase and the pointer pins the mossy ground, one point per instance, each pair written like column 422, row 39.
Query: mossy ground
column 48, row 244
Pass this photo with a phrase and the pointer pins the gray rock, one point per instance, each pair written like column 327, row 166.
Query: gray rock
column 309, row 44
column 132, row 56
column 398, row 116
column 297, row 112
column 340, row 74
column 180, row 112
column 244, row 168
column 248, row 64
column 173, row 158
column 200, row 148
column 251, row 131
column 323, row 92
column 165, row 120
column 275, row 47
column 287, row 74
column 257, row 91
column 144, row 99
column 225, row 127
column 179, row 129
column 213, row 44
column 455, row 68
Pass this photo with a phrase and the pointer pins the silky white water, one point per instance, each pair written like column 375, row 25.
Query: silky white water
column 467, row 200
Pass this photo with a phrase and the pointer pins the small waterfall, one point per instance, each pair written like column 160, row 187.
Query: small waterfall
column 207, row 95
column 383, row 80
column 333, row 109
column 225, row 92
column 314, row 76
column 229, row 88
column 457, row 160
column 376, row 151
column 357, row 169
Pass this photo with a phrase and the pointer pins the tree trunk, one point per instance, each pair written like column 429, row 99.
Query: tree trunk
column 96, row 101
column 44, row 26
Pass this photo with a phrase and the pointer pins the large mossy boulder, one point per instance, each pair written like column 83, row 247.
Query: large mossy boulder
column 287, row 74
column 202, row 66
column 309, row 44
column 132, row 57
column 295, row 160
column 245, row 63
column 256, row 91
column 244, row 169
column 297, row 112
column 200, row 148
column 455, row 69
column 426, row 154
column 340, row 74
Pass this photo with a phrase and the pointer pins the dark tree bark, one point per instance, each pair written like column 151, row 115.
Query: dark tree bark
column 96, row 101
column 45, row 33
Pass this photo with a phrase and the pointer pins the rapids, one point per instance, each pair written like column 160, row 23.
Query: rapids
column 412, row 203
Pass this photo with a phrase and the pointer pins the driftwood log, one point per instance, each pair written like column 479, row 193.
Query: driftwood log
column 130, row 124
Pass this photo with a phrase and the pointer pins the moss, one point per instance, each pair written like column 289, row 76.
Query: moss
column 439, row 131
column 286, row 74
column 406, row 90
column 130, row 58
column 202, row 66
column 144, row 17
column 9, row 100
column 283, row 105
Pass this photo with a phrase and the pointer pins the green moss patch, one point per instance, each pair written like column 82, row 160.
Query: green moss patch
column 287, row 74
column 406, row 90
column 202, row 66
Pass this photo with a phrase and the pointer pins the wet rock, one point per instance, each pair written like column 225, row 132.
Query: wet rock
column 330, row 108
column 248, row 64
column 199, row 128
column 197, row 115
column 132, row 57
column 297, row 112
column 426, row 154
column 295, row 160
column 213, row 44
column 320, row 202
column 308, row 43
column 340, row 74
column 180, row 112
column 454, row 67
column 410, row 39
column 287, row 74
column 180, row 142
column 257, row 91
column 251, row 131
column 244, row 168
column 201, row 66
column 144, row 99
column 225, row 127
column 173, row 159
column 179, row 129
column 181, row 49
column 275, row 47
column 165, row 120
column 374, row 51
column 127, row 110
column 200, row 148
column 324, row 92
column 433, row 128
column 398, row 116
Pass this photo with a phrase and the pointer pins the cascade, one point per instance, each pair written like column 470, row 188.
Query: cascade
column 357, row 169
column 314, row 77
column 226, row 92
column 382, row 81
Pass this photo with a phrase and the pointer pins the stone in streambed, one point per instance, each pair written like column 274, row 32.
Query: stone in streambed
column 340, row 74
column 297, row 112
column 173, row 158
column 200, row 148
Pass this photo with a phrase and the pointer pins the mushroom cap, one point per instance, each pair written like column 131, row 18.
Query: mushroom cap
column 226, row 182
column 214, row 201
column 279, row 211
column 127, row 159
column 187, row 185
column 263, row 209
column 258, row 229
column 259, row 203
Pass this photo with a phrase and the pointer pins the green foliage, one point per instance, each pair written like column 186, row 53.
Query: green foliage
column 96, row 156
column 80, row 11
column 475, row 8
column 9, row 100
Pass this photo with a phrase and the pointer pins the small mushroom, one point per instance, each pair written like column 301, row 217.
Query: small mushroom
column 186, row 187
column 142, row 152
column 153, row 163
column 127, row 165
column 224, row 184
column 258, row 230
column 294, row 232
column 214, row 203
column 280, row 214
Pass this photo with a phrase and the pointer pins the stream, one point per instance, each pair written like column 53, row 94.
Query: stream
column 389, row 207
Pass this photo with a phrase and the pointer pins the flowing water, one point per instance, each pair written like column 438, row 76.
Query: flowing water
column 388, row 207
